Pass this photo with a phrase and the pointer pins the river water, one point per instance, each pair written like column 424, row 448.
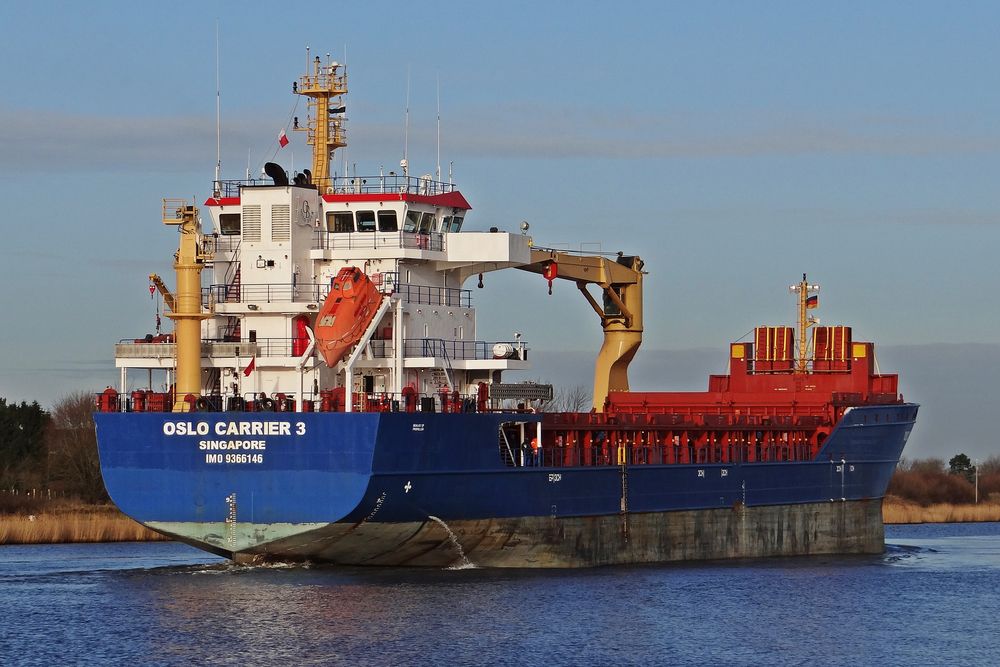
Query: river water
column 929, row 600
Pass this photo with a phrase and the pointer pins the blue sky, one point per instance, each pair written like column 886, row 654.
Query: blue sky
column 732, row 145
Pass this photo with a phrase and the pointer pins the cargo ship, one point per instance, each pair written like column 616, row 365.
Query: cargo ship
column 325, row 396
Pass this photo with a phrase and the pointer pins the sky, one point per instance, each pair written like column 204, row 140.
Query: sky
column 732, row 145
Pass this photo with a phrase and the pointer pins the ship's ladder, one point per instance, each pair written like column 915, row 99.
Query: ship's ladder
column 623, row 464
column 213, row 383
column 232, row 294
column 233, row 283
column 448, row 370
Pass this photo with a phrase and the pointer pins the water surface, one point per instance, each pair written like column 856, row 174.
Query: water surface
column 929, row 600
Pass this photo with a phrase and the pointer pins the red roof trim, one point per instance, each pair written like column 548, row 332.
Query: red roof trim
column 222, row 201
column 448, row 199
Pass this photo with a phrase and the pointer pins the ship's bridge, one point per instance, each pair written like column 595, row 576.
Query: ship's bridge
column 363, row 213
column 356, row 219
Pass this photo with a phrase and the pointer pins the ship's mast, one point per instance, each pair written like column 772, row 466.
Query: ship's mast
column 804, row 291
column 185, row 305
column 325, row 124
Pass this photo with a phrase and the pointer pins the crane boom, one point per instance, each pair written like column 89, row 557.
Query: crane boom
column 168, row 297
column 620, row 309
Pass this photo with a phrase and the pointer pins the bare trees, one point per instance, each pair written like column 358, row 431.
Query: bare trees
column 71, row 441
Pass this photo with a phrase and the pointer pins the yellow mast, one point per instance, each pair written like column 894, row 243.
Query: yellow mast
column 185, row 306
column 803, row 290
column 325, row 124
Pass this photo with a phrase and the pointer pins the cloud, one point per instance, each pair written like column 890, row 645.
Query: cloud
column 54, row 141
column 519, row 131
column 829, row 217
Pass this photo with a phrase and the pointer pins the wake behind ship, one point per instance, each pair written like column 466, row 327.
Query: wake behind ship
column 327, row 397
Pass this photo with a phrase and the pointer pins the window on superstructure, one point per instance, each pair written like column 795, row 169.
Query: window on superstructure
column 426, row 223
column 412, row 222
column 446, row 223
column 366, row 221
column 387, row 221
column 456, row 223
column 340, row 223
column 229, row 223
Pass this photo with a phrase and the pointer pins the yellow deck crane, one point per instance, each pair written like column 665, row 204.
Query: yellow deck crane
column 185, row 305
column 620, row 310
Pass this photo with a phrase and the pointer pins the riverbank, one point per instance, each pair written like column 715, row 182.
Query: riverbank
column 898, row 511
column 88, row 523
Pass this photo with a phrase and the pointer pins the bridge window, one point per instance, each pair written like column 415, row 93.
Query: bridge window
column 427, row 223
column 387, row 221
column 366, row 221
column 412, row 222
column 340, row 223
column 229, row 223
column 456, row 224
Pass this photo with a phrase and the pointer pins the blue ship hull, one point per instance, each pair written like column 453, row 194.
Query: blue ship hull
column 433, row 489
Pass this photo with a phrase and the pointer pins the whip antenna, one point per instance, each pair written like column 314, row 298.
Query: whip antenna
column 438, row 175
column 405, row 163
column 218, row 117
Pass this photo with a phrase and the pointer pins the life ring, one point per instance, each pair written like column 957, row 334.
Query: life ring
column 202, row 404
column 267, row 404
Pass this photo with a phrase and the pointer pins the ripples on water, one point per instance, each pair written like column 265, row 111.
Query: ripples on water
column 928, row 600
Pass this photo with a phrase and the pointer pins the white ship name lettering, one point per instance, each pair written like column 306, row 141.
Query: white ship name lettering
column 232, row 444
column 233, row 428
column 253, row 428
column 234, row 458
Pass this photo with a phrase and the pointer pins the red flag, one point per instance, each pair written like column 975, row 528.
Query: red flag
column 282, row 138
column 249, row 369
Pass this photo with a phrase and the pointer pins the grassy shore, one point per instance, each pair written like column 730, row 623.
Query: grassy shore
column 897, row 510
column 91, row 523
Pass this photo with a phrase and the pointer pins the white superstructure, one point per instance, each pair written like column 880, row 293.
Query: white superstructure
column 274, row 251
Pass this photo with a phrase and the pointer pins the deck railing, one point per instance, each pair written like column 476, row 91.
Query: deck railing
column 325, row 240
column 348, row 185
column 453, row 350
column 264, row 293
column 434, row 296
column 458, row 349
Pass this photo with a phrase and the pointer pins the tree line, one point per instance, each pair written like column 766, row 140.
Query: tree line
column 931, row 481
column 53, row 450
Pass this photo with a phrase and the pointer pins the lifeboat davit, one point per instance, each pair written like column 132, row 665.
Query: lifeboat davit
column 348, row 310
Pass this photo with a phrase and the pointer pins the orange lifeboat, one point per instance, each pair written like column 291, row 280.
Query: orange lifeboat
column 348, row 310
